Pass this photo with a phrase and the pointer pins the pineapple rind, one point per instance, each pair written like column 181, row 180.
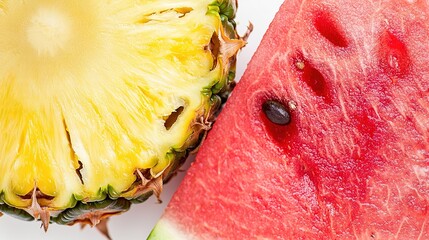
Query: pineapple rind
column 109, row 206
column 17, row 213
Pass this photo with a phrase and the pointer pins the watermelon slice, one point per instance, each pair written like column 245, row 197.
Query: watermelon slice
column 325, row 137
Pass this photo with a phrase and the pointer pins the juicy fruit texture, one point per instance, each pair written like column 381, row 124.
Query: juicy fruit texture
column 353, row 163
column 101, row 100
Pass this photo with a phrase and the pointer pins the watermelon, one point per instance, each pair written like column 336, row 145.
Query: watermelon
column 326, row 136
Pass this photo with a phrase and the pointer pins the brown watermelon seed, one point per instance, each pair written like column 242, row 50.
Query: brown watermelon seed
column 329, row 29
column 276, row 112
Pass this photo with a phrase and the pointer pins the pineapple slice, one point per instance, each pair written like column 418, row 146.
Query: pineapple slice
column 100, row 100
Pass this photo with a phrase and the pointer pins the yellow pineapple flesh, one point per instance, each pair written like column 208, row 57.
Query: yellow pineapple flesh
column 99, row 100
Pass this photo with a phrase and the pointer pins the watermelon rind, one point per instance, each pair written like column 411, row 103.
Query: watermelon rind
column 167, row 230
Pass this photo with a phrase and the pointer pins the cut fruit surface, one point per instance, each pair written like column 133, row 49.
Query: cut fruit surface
column 325, row 137
column 102, row 100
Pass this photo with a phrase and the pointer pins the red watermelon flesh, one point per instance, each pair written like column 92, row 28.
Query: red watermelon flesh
column 353, row 163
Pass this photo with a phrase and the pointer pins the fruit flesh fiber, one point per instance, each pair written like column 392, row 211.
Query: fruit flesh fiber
column 86, row 89
column 353, row 162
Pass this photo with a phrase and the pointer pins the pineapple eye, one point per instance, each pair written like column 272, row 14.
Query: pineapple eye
column 276, row 112
column 214, row 48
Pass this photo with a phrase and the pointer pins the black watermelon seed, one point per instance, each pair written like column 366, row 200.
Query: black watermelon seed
column 276, row 112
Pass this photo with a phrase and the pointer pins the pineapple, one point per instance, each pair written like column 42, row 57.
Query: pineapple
column 101, row 101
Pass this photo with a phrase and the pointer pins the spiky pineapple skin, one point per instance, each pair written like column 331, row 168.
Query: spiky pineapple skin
column 38, row 195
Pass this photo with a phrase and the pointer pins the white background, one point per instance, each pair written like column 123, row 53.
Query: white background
column 138, row 222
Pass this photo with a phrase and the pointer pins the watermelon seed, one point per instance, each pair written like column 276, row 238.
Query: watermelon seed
column 300, row 65
column 276, row 112
column 393, row 61
column 292, row 105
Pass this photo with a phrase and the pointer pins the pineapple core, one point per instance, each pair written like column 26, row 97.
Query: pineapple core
column 87, row 91
column 48, row 31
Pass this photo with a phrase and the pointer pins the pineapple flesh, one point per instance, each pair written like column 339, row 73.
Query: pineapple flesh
column 100, row 101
